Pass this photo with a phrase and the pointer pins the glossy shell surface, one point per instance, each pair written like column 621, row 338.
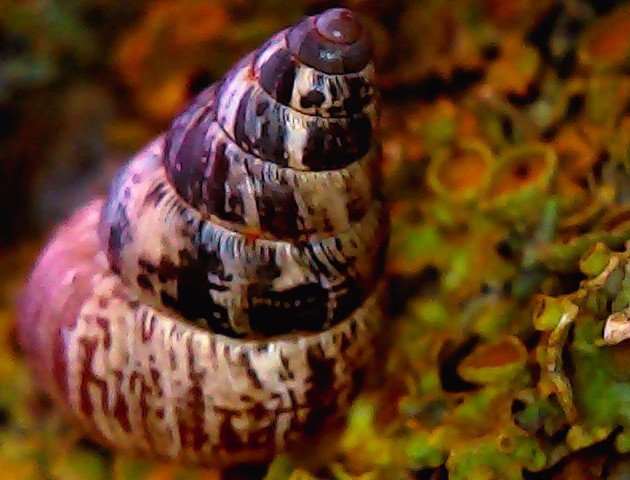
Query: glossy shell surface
column 220, row 305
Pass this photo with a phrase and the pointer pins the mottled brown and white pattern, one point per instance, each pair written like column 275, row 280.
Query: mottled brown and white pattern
column 277, row 133
column 321, row 279
column 220, row 304
column 214, row 175
column 307, row 89
column 145, row 380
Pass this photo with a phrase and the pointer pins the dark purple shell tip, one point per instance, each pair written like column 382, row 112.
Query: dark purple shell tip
column 334, row 42
column 339, row 25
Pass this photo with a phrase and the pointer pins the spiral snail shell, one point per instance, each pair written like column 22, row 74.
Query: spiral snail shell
column 219, row 305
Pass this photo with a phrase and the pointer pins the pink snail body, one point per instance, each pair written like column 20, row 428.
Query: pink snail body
column 156, row 320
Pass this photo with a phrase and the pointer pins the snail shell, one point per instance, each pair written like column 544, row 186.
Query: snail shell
column 219, row 305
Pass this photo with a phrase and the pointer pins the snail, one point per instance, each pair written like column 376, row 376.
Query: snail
column 220, row 304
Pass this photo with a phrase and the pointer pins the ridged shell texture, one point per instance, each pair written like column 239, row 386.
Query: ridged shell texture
column 219, row 305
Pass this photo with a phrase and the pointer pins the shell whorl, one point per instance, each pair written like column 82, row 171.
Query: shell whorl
column 281, row 225
column 220, row 301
